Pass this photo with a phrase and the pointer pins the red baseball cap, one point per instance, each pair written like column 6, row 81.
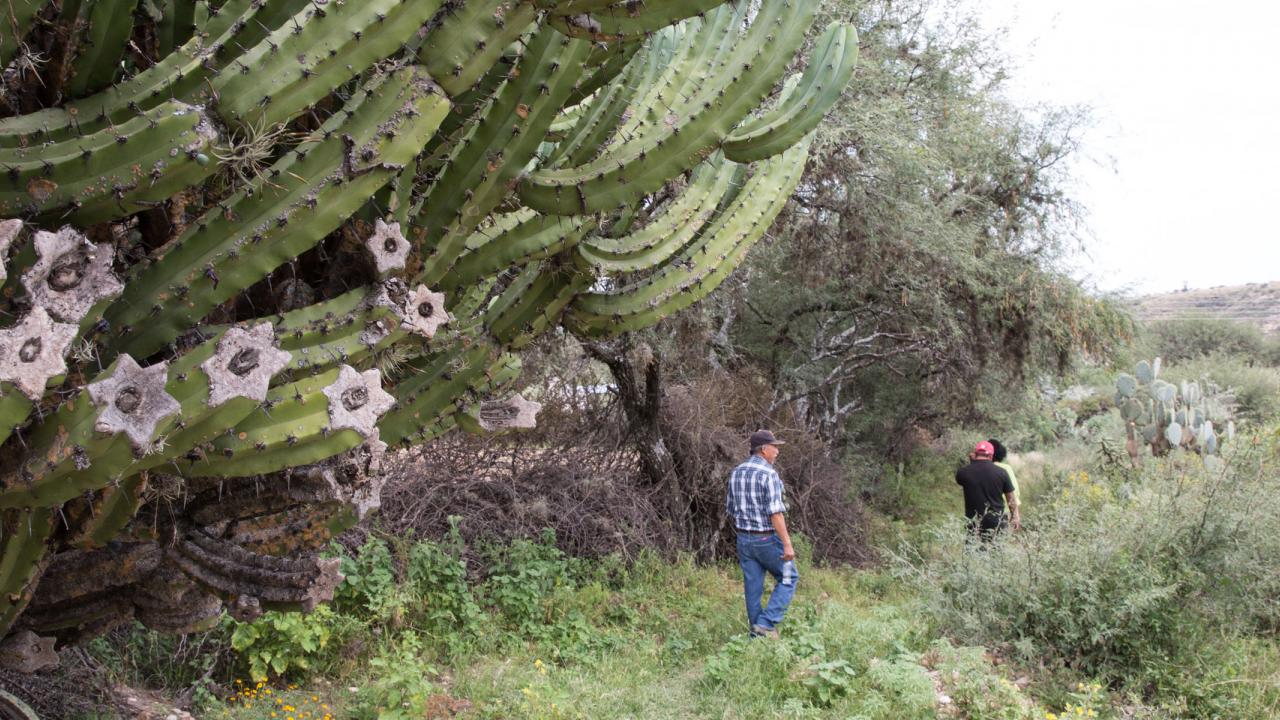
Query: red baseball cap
column 984, row 449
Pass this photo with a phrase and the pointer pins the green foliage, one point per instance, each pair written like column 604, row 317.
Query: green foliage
column 1193, row 338
column 522, row 577
column 368, row 580
column 401, row 682
column 444, row 609
column 280, row 642
column 976, row 690
column 1132, row 579
column 919, row 268
column 1255, row 388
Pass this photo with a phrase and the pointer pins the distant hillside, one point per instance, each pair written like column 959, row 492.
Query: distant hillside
column 1257, row 303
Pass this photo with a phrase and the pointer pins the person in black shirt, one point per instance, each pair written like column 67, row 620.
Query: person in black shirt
column 987, row 491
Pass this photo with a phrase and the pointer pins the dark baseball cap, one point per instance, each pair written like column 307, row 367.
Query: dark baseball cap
column 763, row 437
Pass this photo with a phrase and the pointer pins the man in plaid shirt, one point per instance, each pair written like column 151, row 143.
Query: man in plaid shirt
column 754, row 501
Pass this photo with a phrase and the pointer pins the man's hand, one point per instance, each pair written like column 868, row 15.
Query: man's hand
column 788, row 553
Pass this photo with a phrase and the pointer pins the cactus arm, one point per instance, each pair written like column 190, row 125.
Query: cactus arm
column 17, row 17
column 699, row 53
column 704, row 265
column 232, row 571
column 196, row 398
column 478, row 175
column 111, row 510
column 110, row 25
column 817, row 90
column 469, row 41
column 490, row 417
column 516, row 240
column 573, row 7
column 291, row 422
column 111, row 174
column 533, row 304
column 670, row 231
column 308, row 421
column 313, row 53
column 23, row 549
column 427, row 405
column 31, row 358
column 642, row 166
column 594, row 126
column 605, row 64
column 180, row 75
column 236, row 245
column 628, row 19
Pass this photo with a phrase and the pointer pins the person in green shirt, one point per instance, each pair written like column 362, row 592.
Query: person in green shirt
column 1001, row 453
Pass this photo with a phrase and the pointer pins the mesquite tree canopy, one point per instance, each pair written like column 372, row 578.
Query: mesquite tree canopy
column 249, row 244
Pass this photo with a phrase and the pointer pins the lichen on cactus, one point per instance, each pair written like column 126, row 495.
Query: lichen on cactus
column 243, row 260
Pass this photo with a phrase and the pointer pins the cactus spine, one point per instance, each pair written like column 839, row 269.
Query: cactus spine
column 312, row 229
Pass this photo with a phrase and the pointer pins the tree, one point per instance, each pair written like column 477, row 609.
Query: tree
column 915, row 269
column 256, row 241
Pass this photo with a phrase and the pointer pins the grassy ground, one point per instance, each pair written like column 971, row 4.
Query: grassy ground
column 546, row 637
column 672, row 646
column 667, row 640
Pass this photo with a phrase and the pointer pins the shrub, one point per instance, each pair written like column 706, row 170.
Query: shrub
column 400, row 685
column 1127, row 580
column 522, row 576
column 368, row 581
column 1197, row 337
column 1256, row 388
column 443, row 608
column 278, row 642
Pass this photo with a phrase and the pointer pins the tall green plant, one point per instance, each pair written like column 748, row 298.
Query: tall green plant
column 278, row 236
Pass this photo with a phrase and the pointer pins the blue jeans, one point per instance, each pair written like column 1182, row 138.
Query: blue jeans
column 758, row 554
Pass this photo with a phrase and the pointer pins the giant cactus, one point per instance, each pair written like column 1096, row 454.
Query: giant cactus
column 251, row 243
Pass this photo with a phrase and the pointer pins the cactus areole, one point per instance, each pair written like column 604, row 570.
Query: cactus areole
column 299, row 232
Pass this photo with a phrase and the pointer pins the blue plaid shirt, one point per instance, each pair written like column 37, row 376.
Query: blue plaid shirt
column 755, row 493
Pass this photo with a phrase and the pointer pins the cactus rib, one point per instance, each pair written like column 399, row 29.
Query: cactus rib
column 691, row 131
column 384, row 127
column 701, row 267
column 810, row 97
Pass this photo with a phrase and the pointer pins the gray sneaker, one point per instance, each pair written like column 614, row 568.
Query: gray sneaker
column 762, row 631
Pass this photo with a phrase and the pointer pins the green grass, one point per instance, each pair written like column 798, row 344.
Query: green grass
column 546, row 637
column 668, row 644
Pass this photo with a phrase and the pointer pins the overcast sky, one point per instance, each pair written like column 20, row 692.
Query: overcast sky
column 1182, row 181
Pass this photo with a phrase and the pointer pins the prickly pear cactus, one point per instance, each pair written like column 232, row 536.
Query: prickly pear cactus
column 1167, row 416
column 250, row 244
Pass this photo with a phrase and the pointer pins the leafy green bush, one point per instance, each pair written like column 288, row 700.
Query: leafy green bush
column 1197, row 337
column 369, row 584
column 522, row 576
column 1128, row 581
column 401, row 683
column 444, row 608
column 278, row 642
